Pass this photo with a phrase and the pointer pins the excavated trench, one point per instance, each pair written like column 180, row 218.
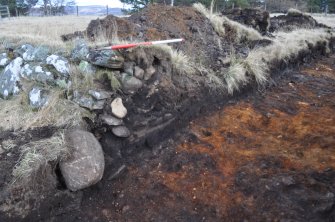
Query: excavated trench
column 263, row 156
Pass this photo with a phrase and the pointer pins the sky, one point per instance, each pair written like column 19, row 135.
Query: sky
column 110, row 3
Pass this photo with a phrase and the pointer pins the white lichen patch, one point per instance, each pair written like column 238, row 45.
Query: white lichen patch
column 60, row 64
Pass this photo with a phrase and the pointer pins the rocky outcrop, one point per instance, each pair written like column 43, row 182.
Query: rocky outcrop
column 256, row 18
column 86, row 165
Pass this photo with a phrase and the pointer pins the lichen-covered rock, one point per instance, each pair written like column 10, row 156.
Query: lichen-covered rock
column 36, row 73
column 4, row 59
column 86, row 165
column 38, row 98
column 10, row 77
column 118, row 108
column 87, row 101
column 106, row 58
column 80, row 50
column 36, row 54
column 100, row 95
column 60, row 63
column 87, row 68
column 24, row 48
column 82, row 100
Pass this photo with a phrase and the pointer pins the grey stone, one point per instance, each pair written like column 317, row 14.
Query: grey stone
column 10, row 77
column 4, row 59
column 87, row 68
column 138, row 72
column 86, row 165
column 80, row 50
column 111, row 120
column 121, row 131
column 24, row 48
column 106, row 58
column 118, row 108
column 38, row 97
column 98, row 105
column 83, row 101
column 149, row 72
column 100, row 95
column 36, row 73
column 36, row 54
column 60, row 63
column 128, row 67
column 130, row 84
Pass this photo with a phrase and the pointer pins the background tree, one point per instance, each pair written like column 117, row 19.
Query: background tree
column 11, row 5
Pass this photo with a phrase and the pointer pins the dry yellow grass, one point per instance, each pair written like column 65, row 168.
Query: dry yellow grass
column 41, row 30
column 16, row 114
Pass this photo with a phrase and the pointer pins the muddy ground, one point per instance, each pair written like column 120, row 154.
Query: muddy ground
column 263, row 156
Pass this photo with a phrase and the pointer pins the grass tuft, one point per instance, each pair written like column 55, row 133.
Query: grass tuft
column 220, row 23
column 35, row 157
column 179, row 60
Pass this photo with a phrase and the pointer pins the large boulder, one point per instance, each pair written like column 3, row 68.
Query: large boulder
column 106, row 58
column 256, row 18
column 36, row 73
column 10, row 77
column 86, row 165
column 60, row 63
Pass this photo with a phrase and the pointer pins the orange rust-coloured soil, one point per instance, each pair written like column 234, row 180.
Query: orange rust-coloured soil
column 270, row 156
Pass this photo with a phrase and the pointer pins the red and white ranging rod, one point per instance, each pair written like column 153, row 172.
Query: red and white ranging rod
column 131, row 45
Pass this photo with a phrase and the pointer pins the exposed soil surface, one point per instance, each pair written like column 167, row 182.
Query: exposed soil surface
column 268, row 156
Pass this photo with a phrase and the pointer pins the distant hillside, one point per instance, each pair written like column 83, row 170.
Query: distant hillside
column 93, row 10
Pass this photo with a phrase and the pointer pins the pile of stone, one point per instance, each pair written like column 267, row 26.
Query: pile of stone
column 44, row 70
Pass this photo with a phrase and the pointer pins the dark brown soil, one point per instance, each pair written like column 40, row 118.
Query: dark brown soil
column 197, row 155
column 160, row 22
column 291, row 22
column 265, row 156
